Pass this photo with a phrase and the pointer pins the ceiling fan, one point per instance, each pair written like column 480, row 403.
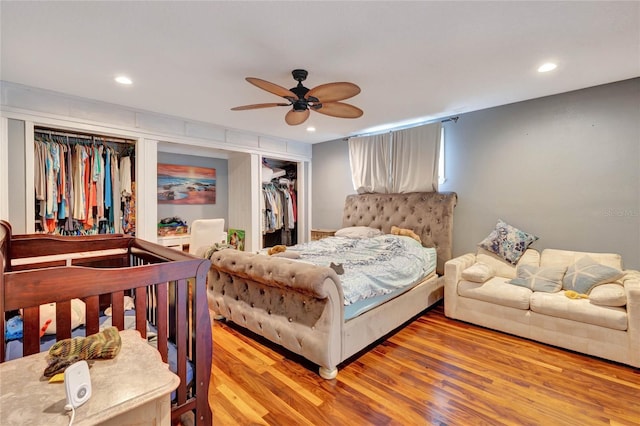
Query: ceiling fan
column 323, row 99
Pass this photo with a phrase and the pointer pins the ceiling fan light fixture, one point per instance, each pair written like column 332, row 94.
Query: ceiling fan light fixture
column 300, row 105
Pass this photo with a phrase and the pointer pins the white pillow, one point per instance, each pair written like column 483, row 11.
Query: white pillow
column 358, row 232
column 611, row 294
column 48, row 312
column 479, row 272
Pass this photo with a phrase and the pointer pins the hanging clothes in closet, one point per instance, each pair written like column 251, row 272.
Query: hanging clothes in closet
column 279, row 215
column 78, row 184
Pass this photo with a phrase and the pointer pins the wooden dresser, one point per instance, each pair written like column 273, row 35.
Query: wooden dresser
column 318, row 234
column 134, row 388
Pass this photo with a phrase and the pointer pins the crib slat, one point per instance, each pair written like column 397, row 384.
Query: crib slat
column 92, row 319
column 141, row 306
column 63, row 320
column 181, row 337
column 117, row 309
column 31, row 330
column 162, row 320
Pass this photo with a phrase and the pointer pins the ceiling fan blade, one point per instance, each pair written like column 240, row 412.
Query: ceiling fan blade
column 272, row 88
column 293, row 118
column 340, row 109
column 332, row 92
column 257, row 106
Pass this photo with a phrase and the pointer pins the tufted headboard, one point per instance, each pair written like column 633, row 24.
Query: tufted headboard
column 428, row 214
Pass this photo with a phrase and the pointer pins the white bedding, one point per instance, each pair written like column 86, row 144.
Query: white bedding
column 372, row 266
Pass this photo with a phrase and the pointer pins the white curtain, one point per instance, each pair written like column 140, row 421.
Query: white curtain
column 369, row 159
column 414, row 159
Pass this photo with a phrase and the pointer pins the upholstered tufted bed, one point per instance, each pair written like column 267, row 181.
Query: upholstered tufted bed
column 300, row 306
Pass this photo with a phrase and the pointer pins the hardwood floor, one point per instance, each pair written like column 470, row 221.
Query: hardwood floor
column 433, row 371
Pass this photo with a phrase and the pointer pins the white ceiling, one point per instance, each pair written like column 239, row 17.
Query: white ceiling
column 414, row 61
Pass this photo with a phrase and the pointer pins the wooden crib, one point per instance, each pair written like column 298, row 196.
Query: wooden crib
column 168, row 288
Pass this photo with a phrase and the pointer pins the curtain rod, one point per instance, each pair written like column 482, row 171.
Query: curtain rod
column 454, row 119
column 55, row 132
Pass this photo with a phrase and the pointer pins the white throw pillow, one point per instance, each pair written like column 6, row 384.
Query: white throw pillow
column 479, row 272
column 611, row 294
column 358, row 232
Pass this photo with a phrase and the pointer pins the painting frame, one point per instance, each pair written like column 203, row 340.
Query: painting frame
column 186, row 185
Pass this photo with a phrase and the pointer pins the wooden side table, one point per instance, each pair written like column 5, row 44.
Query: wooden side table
column 318, row 234
column 132, row 388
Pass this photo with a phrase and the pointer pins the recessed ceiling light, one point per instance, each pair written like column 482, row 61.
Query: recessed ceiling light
column 311, row 129
column 123, row 79
column 549, row 66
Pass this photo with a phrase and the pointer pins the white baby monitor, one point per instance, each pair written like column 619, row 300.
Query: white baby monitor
column 77, row 383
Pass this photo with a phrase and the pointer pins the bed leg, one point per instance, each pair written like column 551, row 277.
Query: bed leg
column 219, row 317
column 328, row 373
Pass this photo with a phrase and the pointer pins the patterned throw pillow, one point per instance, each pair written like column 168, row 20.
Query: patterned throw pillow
column 586, row 273
column 540, row 278
column 507, row 242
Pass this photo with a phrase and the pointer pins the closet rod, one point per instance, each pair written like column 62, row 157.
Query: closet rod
column 53, row 132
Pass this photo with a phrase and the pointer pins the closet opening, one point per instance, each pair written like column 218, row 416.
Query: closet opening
column 279, row 202
column 84, row 183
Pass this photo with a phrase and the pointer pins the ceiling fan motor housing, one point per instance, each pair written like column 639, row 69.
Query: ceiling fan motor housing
column 299, row 104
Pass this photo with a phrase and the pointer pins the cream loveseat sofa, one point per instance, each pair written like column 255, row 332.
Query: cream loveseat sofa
column 587, row 325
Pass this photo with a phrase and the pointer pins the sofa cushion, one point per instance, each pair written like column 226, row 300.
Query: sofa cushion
column 540, row 278
column 580, row 310
column 498, row 291
column 507, row 241
column 586, row 273
column 501, row 267
column 479, row 272
column 611, row 294
column 566, row 258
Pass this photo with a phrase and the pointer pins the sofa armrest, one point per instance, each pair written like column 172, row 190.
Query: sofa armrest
column 631, row 283
column 452, row 274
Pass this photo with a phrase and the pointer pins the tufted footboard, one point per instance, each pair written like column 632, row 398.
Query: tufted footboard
column 294, row 304
column 299, row 306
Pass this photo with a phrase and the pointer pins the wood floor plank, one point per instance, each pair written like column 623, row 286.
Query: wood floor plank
column 432, row 371
column 222, row 380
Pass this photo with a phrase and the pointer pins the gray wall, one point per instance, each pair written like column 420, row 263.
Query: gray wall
column 565, row 168
column 199, row 211
column 330, row 183
column 17, row 184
